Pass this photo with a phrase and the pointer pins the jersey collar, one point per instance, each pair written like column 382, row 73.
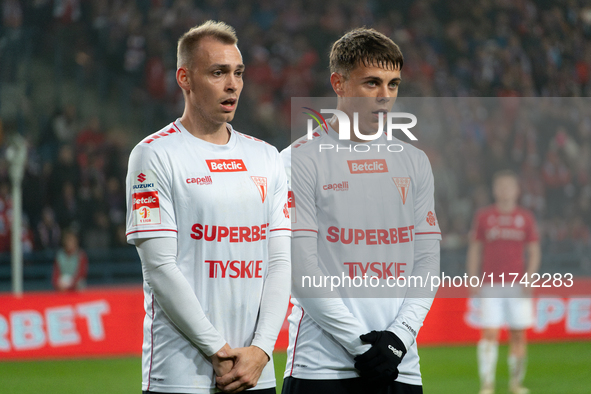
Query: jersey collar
column 208, row 145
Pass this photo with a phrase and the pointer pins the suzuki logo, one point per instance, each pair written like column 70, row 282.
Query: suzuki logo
column 141, row 177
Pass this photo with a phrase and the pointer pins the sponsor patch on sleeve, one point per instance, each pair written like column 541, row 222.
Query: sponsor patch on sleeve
column 291, row 206
column 146, row 208
column 144, row 181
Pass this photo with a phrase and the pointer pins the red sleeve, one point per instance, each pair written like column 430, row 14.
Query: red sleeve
column 477, row 232
column 532, row 229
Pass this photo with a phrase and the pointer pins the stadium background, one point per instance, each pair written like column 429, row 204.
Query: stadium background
column 84, row 81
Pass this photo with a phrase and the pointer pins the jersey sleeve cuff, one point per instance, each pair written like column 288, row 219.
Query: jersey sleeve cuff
column 280, row 232
column 134, row 234
column 215, row 347
column 428, row 234
column 358, row 347
column 264, row 346
column 304, row 232
column 406, row 337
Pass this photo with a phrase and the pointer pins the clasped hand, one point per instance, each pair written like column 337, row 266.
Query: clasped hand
column 379, row 365
column 238, row 369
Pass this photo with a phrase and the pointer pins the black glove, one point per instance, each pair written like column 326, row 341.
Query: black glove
column 380, row 363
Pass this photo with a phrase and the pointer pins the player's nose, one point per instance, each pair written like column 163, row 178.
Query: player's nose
column 233, row 83
column 384, row 94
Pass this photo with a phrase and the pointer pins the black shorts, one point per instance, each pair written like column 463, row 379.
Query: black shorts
column 261, row 391
column 293, row 385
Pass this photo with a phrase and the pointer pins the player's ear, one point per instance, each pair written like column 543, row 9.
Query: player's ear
column 338, row 83
column 182, row 78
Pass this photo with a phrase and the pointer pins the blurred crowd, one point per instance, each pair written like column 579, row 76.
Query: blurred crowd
column 74, row 180
column 545, row 140
column 125, row 51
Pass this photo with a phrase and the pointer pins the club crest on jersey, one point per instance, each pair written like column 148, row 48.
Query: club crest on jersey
column 144, row 181
column 402, row 184
column 431, row 218
column 261, row 184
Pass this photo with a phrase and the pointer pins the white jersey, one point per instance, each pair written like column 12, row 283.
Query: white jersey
column 366, row 210
column 221, row 203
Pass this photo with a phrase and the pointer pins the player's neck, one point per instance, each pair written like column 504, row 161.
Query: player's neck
column 506, row 206
column 218, row 134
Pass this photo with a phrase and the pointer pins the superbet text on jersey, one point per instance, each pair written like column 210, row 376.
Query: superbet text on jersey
column 222, row 203
column 366, row 211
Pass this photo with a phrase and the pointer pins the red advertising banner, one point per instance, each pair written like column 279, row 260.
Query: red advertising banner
column 561, row 314
column 108, row 322
column 92, row 323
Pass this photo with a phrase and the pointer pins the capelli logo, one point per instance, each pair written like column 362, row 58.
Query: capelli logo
column 337, row 187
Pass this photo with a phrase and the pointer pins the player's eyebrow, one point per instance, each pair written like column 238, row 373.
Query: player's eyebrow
column 226, row 67
column 378, row 79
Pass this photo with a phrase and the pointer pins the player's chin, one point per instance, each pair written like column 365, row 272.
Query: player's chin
column 227, row 116
column 370, row 127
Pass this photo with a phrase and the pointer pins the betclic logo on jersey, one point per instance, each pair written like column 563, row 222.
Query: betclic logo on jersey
column 226, row 165
column 146, row 208
column 367, row 166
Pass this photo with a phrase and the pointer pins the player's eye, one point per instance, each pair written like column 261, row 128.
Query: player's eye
column 239, row 73
column 394, row 85
column 217, row 73
column 371, row 83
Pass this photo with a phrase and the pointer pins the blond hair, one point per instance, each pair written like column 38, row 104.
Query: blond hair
column 190, row 40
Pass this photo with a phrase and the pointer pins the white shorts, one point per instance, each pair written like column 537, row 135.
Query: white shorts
column 504, row 306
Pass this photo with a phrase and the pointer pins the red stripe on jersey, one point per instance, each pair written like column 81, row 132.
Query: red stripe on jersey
column 157, row 135
column 305, row 229
column 151, row 345
column 279, row 229
column 174, row 124
column 145, row 231
column 427, row 233
column 295, row 344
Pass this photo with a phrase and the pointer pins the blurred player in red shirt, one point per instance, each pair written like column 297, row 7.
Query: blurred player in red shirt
column 501, row 233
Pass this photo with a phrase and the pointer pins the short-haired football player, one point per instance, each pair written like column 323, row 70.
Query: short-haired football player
column 207, row 212
column 385, row 202
column 501, row 233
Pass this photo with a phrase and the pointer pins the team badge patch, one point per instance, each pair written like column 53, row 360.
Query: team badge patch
column 261, row 184
column 431, row 218
column 402, row 184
